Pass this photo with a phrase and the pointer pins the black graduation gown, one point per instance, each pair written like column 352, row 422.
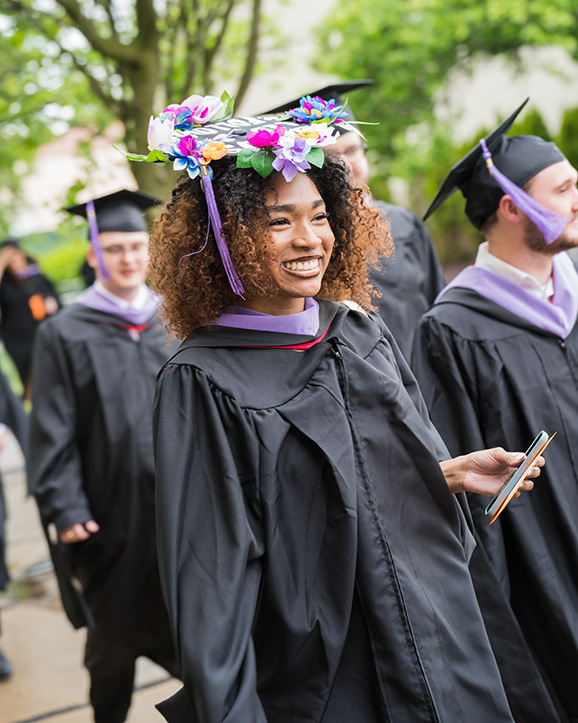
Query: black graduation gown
column 91, row 456
column 17, row 323
column 301, row 513
column 410, row 280
column 491, row 378
column 12, row 414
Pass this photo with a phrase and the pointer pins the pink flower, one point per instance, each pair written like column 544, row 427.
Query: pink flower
column 263, row 138
column 187, row 145
column 203, row 108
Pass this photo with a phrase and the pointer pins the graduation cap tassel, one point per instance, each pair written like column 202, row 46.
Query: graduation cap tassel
column 217, row 226
column 94, row 240
column 551, row 224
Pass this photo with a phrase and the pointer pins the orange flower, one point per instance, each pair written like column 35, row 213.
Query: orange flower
column 214, row 150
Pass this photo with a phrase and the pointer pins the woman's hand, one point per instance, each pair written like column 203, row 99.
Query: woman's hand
column 484, row 472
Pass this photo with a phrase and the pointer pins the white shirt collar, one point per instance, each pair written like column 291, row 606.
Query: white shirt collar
column 138, row 302
column 486, row 260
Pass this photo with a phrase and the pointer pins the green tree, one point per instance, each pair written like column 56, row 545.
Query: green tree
column 91, row 61
column 409, row 48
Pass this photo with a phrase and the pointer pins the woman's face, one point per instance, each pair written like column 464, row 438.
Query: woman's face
column 299, row 245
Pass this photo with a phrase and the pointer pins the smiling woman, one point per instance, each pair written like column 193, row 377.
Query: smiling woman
column 266, row 221
column 310, row 547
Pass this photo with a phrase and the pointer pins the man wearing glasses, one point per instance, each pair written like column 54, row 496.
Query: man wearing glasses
column 91, row 455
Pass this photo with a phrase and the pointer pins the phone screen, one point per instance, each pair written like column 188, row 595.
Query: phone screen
column 501, row 499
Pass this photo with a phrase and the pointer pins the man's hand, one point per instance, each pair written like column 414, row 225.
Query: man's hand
column 78, row 532
column 484, row 472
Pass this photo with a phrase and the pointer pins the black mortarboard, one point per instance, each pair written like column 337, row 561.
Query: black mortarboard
column 329, row 92
column 519, row 158
column 119, row 211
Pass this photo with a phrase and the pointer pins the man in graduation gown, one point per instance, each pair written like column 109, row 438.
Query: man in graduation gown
column 91, row 459
column 410, row 280
column 497, row 361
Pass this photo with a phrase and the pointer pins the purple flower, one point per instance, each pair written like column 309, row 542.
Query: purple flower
column 290, row 156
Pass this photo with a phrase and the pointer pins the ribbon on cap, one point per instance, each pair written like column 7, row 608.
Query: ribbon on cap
column 217, row 226
column 550, row 223
column 94, row 239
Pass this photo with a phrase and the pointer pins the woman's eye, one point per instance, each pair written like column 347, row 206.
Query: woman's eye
column 321, row 216
column 278, row 221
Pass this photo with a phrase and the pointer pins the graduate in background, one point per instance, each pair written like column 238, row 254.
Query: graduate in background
column 497, row 361
column 410, row 279
column 13, row 417
column 27, row 297
column 91, row 460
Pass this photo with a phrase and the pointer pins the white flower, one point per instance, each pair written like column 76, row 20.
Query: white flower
column 159, row 134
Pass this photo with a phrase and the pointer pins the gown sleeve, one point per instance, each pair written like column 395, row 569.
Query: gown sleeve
column 209, row 546
column 55, row 468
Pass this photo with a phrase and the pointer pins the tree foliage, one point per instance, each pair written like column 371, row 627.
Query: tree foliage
column 408, row 47
column 91, row 61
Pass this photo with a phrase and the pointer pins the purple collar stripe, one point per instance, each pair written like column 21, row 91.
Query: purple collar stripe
column 551, row 224
column 30, row 270
column 306, row 323
column 558, row 317
column 136, row 317
column 94, row 239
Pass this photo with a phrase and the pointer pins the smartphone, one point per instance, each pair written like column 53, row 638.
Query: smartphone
column 508, row 489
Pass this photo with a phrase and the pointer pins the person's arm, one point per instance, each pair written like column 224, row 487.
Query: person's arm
column 484, row 472
column 209, row 545
column 55, row 469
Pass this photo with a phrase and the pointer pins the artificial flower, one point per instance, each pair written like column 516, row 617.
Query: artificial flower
column 180, row 115
column 290, row 156
column 159, row 134
column 186, row 156
column 214, row 150
column 264, row 138
column 203, row 108
column 318, row 134
column 316, row 110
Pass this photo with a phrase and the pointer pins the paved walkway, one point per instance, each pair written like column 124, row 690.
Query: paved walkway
column 49, row 683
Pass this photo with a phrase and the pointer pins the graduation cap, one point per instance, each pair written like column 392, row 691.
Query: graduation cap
column 121, row 211
column 334, row 92
column 202, row 130
column 515, row 159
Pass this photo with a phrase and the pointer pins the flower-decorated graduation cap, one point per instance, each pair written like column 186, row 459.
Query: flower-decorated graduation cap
column 120, row 211
column 501, row 165
column 335, row 94
column 202, row 130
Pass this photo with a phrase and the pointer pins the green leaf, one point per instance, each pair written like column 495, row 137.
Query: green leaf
column 227, row 110
column 262, row 162
column 316, row 157
column 244, row 159
column 155, row 156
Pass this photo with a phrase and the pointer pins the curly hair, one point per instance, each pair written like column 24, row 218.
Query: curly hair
column 185, row 267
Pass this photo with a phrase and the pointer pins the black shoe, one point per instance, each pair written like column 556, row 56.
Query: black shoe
column 5, row 667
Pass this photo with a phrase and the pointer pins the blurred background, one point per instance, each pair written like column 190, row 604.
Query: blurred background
column 78, row 77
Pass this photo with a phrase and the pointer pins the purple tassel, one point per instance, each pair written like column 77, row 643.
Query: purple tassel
column 94, row 240
column 551, row 224
column 217, row 226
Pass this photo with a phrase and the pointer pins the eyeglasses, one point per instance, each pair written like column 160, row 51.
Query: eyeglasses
column 118, row 250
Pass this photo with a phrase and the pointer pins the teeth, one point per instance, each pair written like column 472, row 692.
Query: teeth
column 301, row 265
